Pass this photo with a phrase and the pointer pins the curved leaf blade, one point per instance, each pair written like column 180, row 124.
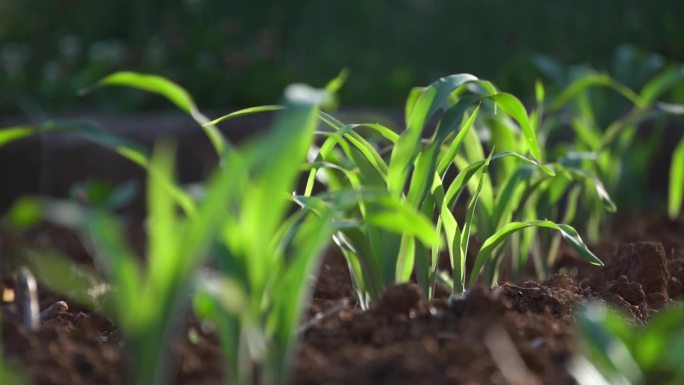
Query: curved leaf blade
column 568, row 233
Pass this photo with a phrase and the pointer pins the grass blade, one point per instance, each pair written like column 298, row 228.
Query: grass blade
column 593, row 80
column 676, row 194
column 401, row 218
column 513, row 107
column 665, row 80
column 171, row 91
column 10, row 134
column 491, row 243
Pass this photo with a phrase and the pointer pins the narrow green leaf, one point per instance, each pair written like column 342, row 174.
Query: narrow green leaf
column 407, row 147
column 406, row 258
column 401, row 218
column 592, row 180
column 461, row 180
column 539, row 92
column 422, row 107
column 244, row 112
column 151, row 83
column 676, row 194
column 660, row 83
column 171, row 91
column 448, row 156
column 460, row 264
column 10, row 134
column 491, row 243
column 513, row 107
column 293, row 289
column 593, row 80
column 161, row 230
column 335, row 84
column 24, row 213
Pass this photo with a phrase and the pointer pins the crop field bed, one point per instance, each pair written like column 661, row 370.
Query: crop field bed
column 404, row 340
column 470, row 241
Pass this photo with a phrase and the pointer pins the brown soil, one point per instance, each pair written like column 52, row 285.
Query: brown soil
column 518, row 333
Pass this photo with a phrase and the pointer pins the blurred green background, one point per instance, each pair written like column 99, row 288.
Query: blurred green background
column 238, row 53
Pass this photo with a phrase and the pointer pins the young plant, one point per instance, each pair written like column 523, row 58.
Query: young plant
column 618, row 352
column 148, row 297
column 604, row 138
column 416, row 176
column 266, row 256
column 518, row 193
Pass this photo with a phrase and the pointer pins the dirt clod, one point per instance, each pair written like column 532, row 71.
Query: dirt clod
column 401, row 298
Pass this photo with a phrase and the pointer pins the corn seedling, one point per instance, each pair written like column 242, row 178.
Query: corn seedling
column 381, row 251
column 619, row 352
column 606, row 146
column 520, row 191
column 147, row 298
column 266, row 258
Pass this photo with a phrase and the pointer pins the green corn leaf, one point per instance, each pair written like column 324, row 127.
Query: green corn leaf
column 406, row 147
column 162, row 240
column 587, row 133
column 458, row 264
column 414, row 94
column 444, row 87
column 510, row 195
column 59, row 273
column 294, row 288
column 423, row 173
column 10, row 134
column 448, row 156
column 461, row 180
column 608, row 335
column 364, row 264
column 171, row 91
column 513, row 107
column 676, row 194
column 491, row 243
column 504, row 139
column 661, row 83
column 656, row 339
column 151, row 83
column 386, row 132
column 122, row 269
column 539, row 92
column 24, row 213
column 430, row 100
column 426, row 160
column 592, row 180
column 243, row 112
column 402, row 219
column 336, row 84
column 368, row 151
column 593, row 80
column 406, row 258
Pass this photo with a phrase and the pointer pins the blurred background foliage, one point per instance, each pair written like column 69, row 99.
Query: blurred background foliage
column 237, row 53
